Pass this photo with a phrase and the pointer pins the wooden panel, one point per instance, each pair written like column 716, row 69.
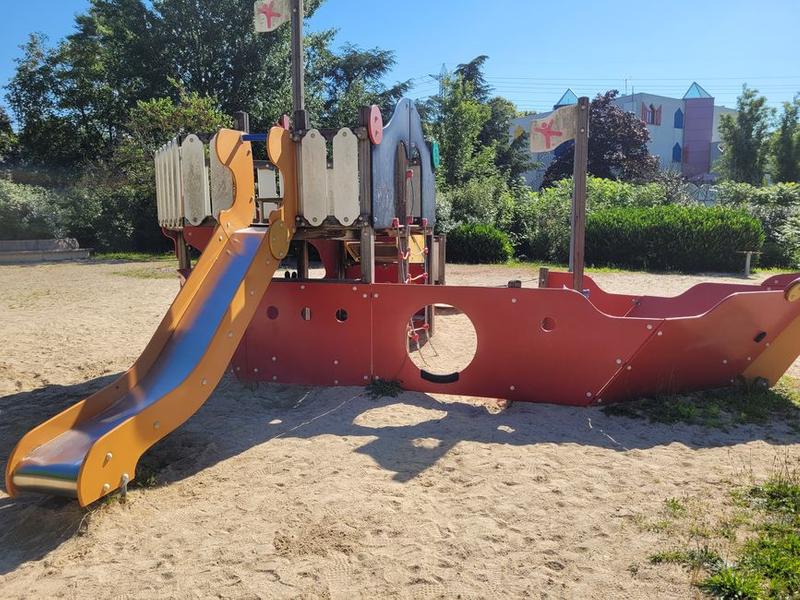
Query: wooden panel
column 221, row 183
column 314, row 178
column 194, row 177
column 175, row 198
column 343, row 179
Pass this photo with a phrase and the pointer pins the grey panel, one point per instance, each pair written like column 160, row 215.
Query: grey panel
column 404, row 127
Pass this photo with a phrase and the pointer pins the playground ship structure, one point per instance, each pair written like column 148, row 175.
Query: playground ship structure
column 369, row 212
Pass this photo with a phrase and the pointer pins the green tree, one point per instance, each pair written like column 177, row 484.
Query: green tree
column 8, row 139
column 617, row 146
column 744, row 139
column 511, row 154
column 472, row 73
column 457, row 119
column 354, row 78
column 786, row 144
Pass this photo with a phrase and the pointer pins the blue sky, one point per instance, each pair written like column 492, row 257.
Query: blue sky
column 537, row 48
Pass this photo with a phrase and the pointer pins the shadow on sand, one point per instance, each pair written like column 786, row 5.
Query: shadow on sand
column 239, row 417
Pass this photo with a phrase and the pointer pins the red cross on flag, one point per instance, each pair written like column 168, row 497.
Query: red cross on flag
column 553, row 130
column 271, row 14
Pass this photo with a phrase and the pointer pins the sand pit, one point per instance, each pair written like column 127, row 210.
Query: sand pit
column 283, row 492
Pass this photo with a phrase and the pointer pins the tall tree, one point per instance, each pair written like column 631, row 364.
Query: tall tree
column 617, row 146
column 352, row 78
column 512, row 156
column 456, row 121
column 786, row 144
column 472, row 73
column 744, row 139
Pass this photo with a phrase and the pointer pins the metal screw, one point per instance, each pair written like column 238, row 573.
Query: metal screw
column 274, row 378
column 106, row 488
column 274, row 359
column 512, row 388
column 109, row 456
column 724, row 361
column 629, row 367
column 255, row 370
column 205, row 381
column 335, row 382
column 513, row 301
column 336, row 362
column 366, row 377
column 588, row 394
column 302, row 287
column 157, row 425
column 619, row 361
column 355, row 289
column 649, row 326
column 374, row 295
column 660, row 333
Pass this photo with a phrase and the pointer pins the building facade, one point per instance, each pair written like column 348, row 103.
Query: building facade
column 684, row 132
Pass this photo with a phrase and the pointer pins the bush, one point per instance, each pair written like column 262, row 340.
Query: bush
column 28, row 212
column 486, row 200
column 682, row 238
column 776, row 206
column 478, row 243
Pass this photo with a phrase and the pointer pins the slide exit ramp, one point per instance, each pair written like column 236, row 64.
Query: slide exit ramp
column 92, row 448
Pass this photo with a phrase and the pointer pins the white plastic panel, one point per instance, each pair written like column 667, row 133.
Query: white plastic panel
column 267, row 184
column 221, row 183
column 314, row 178
column 194, row 179
column 343, row 178
column 329, row 192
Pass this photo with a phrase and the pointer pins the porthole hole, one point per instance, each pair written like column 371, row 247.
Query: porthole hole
column 548, row 324
column 341, row 315
column 272, row 313
column 441, row 340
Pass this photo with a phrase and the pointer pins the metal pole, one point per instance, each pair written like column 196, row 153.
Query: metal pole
column 579, row 195
column 298, row 68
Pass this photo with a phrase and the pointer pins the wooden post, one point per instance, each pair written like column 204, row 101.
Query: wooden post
column 302, row 260
column 298, row 68
column 367, row 252
column 577, row 246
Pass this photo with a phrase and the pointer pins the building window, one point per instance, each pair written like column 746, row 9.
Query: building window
column 677, row 153
column 679, row 119
column 651, row 115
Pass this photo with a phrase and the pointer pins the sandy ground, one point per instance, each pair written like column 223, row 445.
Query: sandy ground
column 283, row 492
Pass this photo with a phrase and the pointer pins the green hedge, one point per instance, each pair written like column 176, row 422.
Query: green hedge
column 681, row 238
column 478, row 243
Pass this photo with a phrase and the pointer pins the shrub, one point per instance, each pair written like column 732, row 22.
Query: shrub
column 682, row 238
column 776, row 206
column 478, row 243
column 478, row 201
column 28, row 212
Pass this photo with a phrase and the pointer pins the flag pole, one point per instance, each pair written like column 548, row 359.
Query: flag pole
column 577, row 241
column 298, row 69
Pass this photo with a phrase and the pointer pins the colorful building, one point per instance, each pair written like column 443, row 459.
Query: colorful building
column 684, row 132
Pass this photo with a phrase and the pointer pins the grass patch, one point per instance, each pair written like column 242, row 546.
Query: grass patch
column 379, row 388
column 766, row 564
column 151, row 272
column 718, row 409
column 133, row 257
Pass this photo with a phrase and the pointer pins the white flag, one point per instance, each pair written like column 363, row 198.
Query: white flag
column 271, row 14
column 553, row 130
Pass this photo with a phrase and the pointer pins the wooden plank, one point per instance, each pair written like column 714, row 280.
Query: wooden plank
column 343, row 186
column 314, row 178
column 196, row 195
column 579, row 194
column 221, row 183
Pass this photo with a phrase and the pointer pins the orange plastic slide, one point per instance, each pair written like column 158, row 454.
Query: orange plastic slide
column 92, row 448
